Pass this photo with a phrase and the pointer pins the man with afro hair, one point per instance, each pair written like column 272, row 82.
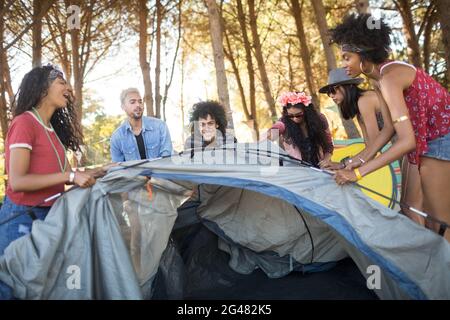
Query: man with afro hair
column 208, row 124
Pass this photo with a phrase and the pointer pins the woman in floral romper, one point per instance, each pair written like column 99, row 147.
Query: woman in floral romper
column 419, row 107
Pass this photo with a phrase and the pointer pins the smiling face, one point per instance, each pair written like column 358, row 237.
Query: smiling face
column 208, row 127
column 58, row 93
column 295, row 114
column 133, row 106
column 351, row 63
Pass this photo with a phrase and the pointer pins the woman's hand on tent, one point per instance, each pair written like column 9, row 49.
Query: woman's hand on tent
column 356, row 163
column 330, row 165
column 106, row 167
column 345, row 176
column 84, row 179
column 102, row 171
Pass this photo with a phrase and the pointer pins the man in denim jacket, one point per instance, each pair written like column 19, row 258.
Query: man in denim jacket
column 139, row 137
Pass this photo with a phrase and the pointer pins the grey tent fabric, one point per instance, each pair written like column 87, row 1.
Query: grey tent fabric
column 82, row 231
column 249, row 202
column 264, row 224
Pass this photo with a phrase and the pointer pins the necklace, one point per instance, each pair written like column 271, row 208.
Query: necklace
column 63, row 169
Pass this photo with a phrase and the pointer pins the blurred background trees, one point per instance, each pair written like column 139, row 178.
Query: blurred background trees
column 244, row 53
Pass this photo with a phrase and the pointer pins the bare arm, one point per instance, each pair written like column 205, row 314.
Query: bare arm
column 21, row 181
column 367, row 109
column 392, row 88
column 385, row 134
column 101, row 171
column 376, row 139
column 275, row 132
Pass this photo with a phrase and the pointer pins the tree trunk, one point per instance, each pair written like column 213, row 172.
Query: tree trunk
column 290, row 69
column 158, row 59
column 77, row 74
column 444, row 19
column 174, row 61
column 427, row 40
column 304, row 52
column 62, row 52
column 319, row 11
column 145, row 65
column 182, row 62
column 321, row 19
column 37, row 34
column 3, row 102
column 38, row 18
column 229, row 54
column 7, row 80
column 250, row 69
column 259, row 58
column 404, row 8
column 217, row 45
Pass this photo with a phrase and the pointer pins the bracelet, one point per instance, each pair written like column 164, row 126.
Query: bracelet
column 346, row 161
column 72, row 176
column 400, row 119
column 362, row 161
column 358, row 174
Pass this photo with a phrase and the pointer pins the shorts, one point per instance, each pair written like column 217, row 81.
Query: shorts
column 439, row 148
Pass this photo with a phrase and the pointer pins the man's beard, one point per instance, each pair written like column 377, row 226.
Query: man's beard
column 137, row 116
column 208, row 137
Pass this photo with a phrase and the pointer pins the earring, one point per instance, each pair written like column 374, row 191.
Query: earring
column 362, row 70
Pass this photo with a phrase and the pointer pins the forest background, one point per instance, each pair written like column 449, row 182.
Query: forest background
column 243, row 53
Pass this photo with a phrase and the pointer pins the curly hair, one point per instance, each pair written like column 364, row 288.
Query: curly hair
column 212, row 108
column 33, row 88
column 349, row 106
column 316, row 133
column 372, row 41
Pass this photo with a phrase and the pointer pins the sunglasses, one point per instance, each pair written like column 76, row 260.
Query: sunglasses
column 332, row 90
column 297, row 115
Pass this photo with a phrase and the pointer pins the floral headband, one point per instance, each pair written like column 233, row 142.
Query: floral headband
column 294, row 98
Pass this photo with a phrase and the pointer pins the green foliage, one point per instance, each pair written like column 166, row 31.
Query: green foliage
column 97, row 136
column 97, row 131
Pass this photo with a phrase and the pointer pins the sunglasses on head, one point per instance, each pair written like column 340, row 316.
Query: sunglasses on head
column 55, row 72
column 297, row 115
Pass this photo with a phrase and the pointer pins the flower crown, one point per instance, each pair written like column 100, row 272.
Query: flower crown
column 294, row 98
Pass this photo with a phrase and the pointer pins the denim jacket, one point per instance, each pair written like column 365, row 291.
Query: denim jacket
column 156, row 137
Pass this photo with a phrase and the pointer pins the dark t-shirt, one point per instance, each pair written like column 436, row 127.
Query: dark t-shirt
column 141, row 146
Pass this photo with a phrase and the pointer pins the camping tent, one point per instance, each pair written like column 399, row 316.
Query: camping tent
column 266, row 213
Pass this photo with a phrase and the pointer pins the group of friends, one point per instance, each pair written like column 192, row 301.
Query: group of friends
column 406, row 107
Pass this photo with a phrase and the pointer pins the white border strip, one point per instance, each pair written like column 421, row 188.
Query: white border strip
column 20, row 145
